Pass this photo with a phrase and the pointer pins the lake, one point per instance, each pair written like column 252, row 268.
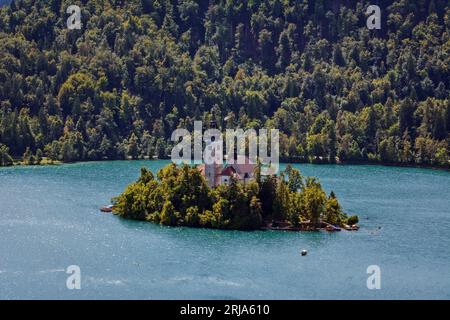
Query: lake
column 50, row 219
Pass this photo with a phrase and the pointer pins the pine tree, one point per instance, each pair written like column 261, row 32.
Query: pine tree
column 283, row 51
column 133, row 149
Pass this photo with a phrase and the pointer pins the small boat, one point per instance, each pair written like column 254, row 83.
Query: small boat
column 109, row 208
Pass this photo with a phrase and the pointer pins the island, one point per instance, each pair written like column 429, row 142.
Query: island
column 181, row 195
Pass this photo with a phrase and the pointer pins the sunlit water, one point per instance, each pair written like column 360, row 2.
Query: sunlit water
column 49, row 219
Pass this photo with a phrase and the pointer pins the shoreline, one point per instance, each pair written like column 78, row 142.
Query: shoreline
column 20, row 163
column 268, row 226
column 369, row 163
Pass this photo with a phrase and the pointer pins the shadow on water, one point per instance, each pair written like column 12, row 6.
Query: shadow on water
column 189, row 235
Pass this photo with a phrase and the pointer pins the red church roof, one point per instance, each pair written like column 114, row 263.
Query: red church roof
column 228, row 172
column 244, row 168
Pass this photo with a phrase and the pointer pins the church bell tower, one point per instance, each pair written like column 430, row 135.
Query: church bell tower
column 212, row 168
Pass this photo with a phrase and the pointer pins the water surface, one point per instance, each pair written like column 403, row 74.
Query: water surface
column 49, row 220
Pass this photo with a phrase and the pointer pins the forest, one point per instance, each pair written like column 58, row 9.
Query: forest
column 180, row 196
column 138, row 69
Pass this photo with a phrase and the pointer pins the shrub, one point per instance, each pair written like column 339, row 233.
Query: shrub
column 352, row 220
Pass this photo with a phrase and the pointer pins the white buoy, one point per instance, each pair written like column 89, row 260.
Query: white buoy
column 304, row 252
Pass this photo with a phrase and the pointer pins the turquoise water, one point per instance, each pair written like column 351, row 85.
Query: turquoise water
column 49, row 219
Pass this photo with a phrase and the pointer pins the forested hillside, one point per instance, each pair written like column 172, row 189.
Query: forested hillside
column 138, row 69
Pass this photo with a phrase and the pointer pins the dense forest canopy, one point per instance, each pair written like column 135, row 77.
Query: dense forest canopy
column 180, row 196
column 139, row 69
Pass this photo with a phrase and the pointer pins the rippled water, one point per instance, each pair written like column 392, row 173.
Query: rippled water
column 49, row 219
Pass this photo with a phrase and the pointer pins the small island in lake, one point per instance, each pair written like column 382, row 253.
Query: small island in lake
column 184, row 196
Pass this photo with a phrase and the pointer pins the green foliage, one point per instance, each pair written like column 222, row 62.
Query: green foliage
column 192, row 218
column 5, row 158
column 181, row 197
column 314, row 199
column 168, row 215
column 333, row 212
column 139, row 69
column 352, row 220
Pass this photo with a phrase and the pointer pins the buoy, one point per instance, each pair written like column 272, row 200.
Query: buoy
column 304, row 252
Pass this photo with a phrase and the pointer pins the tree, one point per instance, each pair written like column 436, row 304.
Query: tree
column 133, row 150
column 241, row 42
column 267, row 196
column 106, row 148
column 333, row 212
column 38, row 156
column 266, row 49
column 221, row 211
column 5, row 158
column 28, row 157
column 78, row 88
column 295, row 179
column 316, row 144
column 168, row 214
column 338, row 57
column 192, row 218
column 314, row 201
column 406, row 115
column 255, row 214
column 388, row 150
column 282, row 205
column 283, row 51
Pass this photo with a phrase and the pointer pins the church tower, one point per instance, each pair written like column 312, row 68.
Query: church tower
column 212, row 168
column 210, row 174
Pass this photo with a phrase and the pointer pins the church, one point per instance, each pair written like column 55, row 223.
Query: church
column 217, row 174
